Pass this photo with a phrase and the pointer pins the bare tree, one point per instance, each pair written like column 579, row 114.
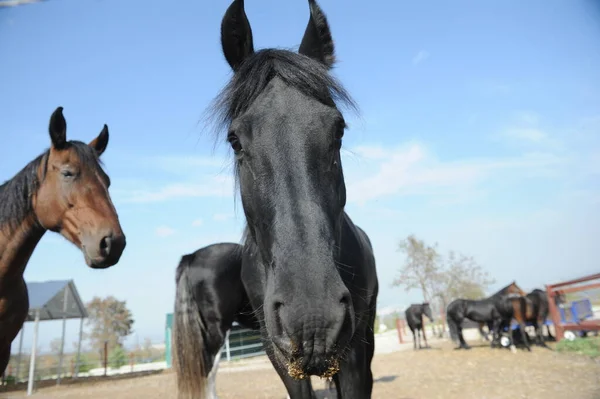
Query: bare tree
column 421, row 267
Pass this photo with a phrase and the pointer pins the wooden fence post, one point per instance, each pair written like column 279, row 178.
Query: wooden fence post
column 105, row 357
column 399, row 328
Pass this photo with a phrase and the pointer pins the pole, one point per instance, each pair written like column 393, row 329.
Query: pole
column 399, row 328
column 79, row 347
column 227, row 350
column 554, row 315
column 64, row 328
column 105, row 357
column 33, row 350
column 18, row 373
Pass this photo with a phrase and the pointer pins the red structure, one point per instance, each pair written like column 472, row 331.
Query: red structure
column 554, row 290
column 401, row 327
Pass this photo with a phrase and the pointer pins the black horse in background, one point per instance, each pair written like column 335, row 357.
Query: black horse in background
column 209, row 297
column 308, row 271
column 414, row 319
column 482, row 311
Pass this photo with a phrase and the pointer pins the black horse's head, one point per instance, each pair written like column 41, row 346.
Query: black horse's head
column 427, row 310
column 286, row 132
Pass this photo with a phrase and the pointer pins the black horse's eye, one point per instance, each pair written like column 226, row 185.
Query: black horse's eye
column 67, row 173
column 339, row 133
column 234, row 141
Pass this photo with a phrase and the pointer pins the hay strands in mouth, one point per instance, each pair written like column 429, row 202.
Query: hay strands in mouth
column 295, row 370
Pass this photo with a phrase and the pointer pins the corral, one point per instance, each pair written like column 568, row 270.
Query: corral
column 399, row 373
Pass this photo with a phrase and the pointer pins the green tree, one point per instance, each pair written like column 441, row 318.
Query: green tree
column 110, row 321
column 118, row 357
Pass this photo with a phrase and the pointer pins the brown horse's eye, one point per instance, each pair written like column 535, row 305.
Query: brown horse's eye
column 67, row 174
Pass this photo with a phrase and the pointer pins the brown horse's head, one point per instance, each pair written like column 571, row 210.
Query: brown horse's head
column 514, row 289
column 72, row 196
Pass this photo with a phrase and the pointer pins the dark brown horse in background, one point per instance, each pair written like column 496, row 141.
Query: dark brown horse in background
column 532, row 308
column 63, row 190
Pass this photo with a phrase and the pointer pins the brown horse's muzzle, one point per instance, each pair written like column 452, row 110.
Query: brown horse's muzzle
column 103, row 250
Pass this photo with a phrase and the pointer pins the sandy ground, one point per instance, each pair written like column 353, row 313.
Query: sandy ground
column 441, row 372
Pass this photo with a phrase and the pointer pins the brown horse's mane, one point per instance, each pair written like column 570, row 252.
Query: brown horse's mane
column 16, row 193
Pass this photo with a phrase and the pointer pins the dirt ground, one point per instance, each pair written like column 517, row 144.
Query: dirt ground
column 442, row 372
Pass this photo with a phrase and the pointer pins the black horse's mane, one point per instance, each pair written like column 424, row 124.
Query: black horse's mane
column 297, row 70
column 16, row 193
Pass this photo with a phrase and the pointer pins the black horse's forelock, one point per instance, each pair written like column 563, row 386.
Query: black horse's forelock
column 16, row 193
column 307, row 75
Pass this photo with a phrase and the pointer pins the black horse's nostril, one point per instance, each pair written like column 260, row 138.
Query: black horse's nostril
column 105, row 245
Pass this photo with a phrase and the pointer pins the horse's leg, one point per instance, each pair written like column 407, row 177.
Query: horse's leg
column 296, row 389
column 211, row 387
column 539, row 334
column 461, row 338
column 550, row 336
column 355, row 379
column 424, row 337
column 524, row 335
column 494, row 331
column 412, row 330
column 483, row 335
column 4, row 358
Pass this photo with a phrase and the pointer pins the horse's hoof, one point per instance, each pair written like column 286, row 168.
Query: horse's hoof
column 513, row 349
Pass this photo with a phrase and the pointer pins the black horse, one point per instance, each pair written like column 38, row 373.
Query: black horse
column 209, row 297
column 482, row 311
column 414, row 318
column 308, row 270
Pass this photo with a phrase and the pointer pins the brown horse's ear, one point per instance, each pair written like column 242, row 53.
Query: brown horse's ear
column 58, row 129
column 100, row 143
column 317, row 42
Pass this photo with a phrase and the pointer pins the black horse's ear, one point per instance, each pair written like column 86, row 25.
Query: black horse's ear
column 58, row 129
column 317, row 42
column 100, row 143
column 236, row 35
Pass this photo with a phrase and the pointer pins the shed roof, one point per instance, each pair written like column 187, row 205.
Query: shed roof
column 48, row 298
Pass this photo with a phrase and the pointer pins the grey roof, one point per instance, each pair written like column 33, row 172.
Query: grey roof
column 48, row 298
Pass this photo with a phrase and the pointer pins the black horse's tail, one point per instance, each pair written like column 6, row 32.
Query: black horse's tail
column 452, row 325
column 188, row 342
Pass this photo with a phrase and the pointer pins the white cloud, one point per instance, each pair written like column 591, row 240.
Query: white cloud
column 528, row 117
column 220, row 217
column 526, row 134
column 420, row 57
column 164, row 231
column 215, row 186
column 412, row 170
column 197, row 223
column 370, row 152
column 185, row 163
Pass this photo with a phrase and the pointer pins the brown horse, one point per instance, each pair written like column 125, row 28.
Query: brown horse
column 63, row 190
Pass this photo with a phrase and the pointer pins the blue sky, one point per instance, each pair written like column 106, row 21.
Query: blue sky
column 479, row 129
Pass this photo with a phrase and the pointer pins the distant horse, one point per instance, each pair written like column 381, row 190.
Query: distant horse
column 63, row 190
column 490, row 323
column 209, row 296
column 308, row 270
column 483, row 311
column 414, row 318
